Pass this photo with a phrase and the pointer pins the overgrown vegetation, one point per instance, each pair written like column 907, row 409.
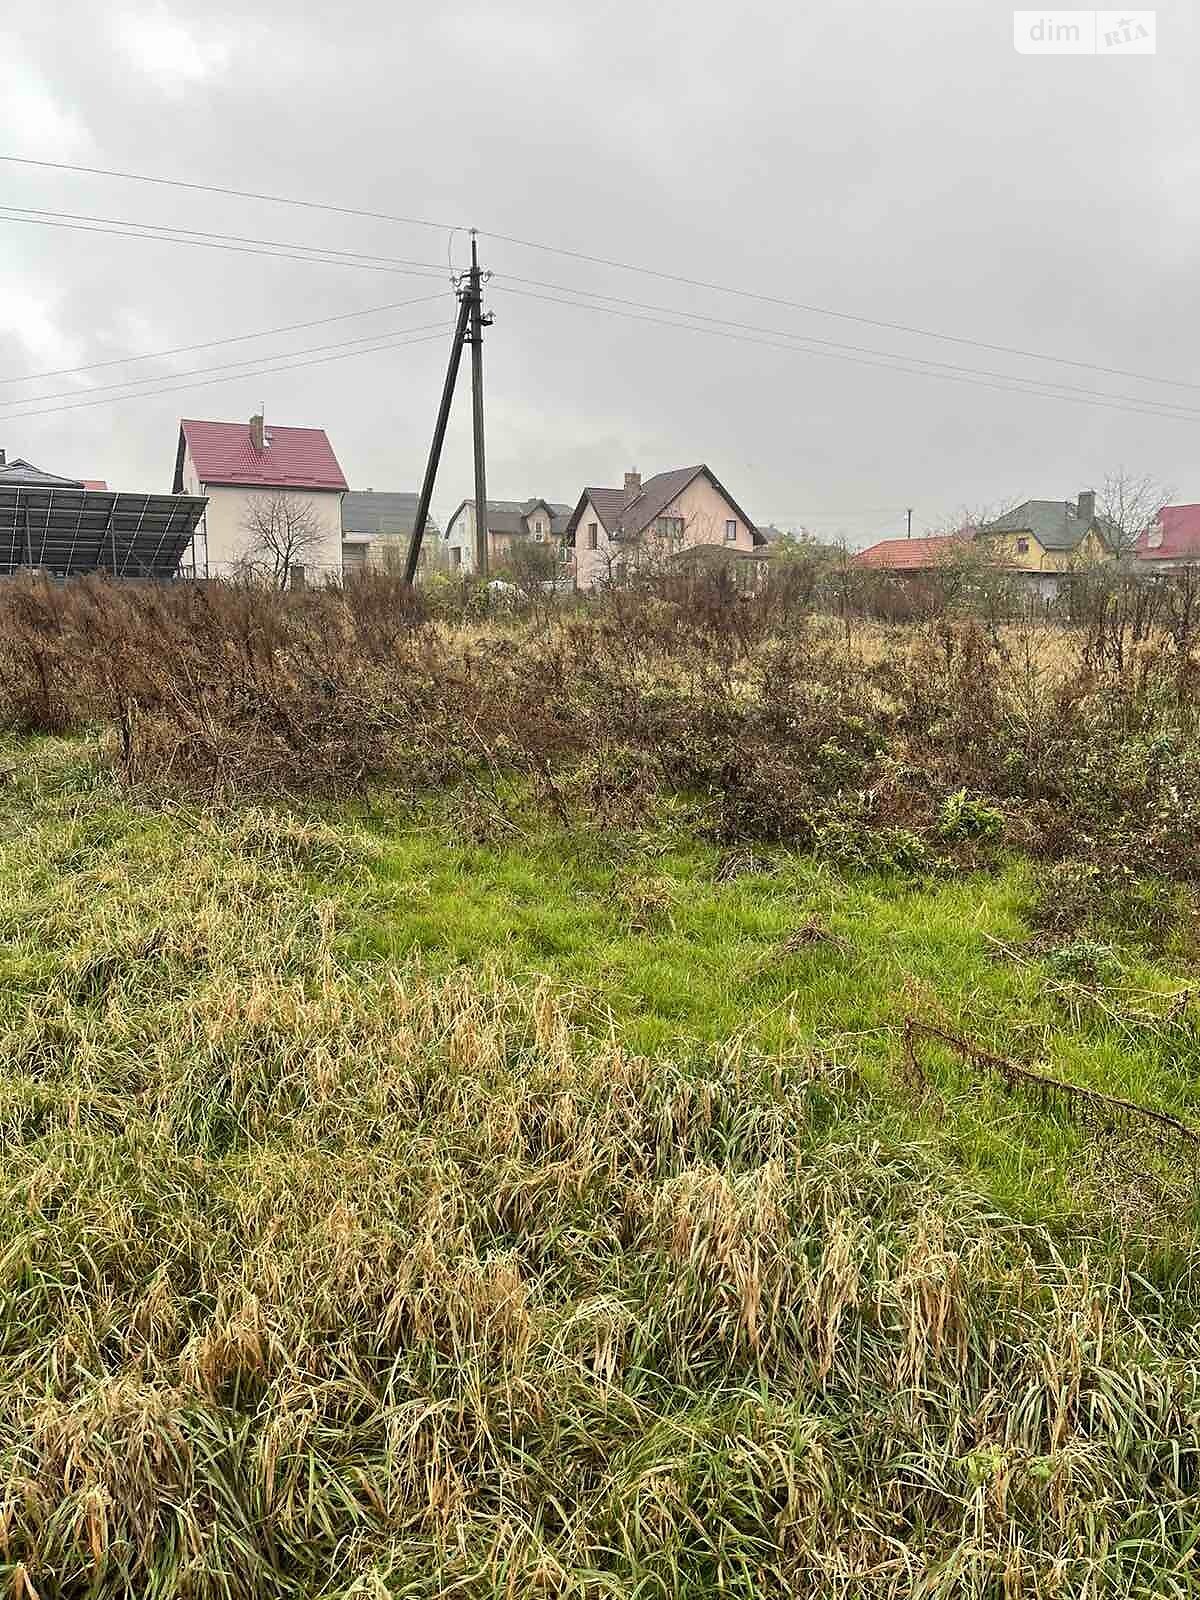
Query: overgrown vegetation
column 459, row 1131
column 773, row 723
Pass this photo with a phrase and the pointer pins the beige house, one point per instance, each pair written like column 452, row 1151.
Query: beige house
column 377, row 527
column 510, row 523
column 685, row 517
column 274, row 497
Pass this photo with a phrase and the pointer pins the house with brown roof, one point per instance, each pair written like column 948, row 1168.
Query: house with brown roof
column 510, row 523
column 683, row 517
column 274, row 497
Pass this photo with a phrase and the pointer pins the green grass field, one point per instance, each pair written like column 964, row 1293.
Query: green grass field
column 393, row 1209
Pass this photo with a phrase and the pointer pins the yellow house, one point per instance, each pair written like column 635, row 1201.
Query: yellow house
column 1051, row 536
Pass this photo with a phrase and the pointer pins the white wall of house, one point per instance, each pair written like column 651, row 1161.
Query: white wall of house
column 592, row 566
column 222, row 540
column 706, row 518
column 460, row 541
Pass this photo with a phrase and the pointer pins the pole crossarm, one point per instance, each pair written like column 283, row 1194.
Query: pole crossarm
column 468, row 329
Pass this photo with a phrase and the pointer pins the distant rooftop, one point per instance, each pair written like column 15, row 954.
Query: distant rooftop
column 910, row 555
column 382, row 514
column 1174, row 535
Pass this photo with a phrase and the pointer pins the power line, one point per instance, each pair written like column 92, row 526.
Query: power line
column 315, row 254
column 228, row 366
column 845, row 316
column 1145, row 405
column 154, row 229
column 238, row 194
column 891, row 362
column 362, row 259
column 617, row 265
column 831, row 344
column 855, row 511
column 210, row 344
column 207, row 383
column 1015, row 382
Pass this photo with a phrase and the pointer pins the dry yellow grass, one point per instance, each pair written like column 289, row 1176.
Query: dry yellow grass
column 322, row 1277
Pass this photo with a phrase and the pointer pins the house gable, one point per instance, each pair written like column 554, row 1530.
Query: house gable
column 624, row 517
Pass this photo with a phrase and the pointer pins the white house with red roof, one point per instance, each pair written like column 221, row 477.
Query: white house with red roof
column 1171, row 541
column 237, row 464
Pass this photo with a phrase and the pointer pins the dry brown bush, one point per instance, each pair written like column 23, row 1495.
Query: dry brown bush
column 775, row 725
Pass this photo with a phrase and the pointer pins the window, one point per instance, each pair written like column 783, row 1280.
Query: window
column 538, row 535
column 593, row 536
column 670, row 529
column 455, row 556
column 539, row 526
column 1022, row 547
column 564, row 554
column 731, row 533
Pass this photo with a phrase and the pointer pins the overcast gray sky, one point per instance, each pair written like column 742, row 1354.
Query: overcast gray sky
column 899, row 163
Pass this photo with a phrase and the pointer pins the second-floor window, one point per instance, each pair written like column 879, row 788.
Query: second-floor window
column 670, row 529
column 1022, row 547
column 593, row 536
column 731, row 533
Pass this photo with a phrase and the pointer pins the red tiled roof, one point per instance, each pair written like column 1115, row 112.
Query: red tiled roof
column 94, row 483
column 295, row 458
column 1174, row 535
column 909, row 555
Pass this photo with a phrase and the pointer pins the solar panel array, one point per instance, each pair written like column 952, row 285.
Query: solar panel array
column 72, row 531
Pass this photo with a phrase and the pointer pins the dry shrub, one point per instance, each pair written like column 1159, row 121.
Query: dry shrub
column 937, row 742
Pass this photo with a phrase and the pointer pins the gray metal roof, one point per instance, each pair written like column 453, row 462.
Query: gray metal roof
column 71, row 531
column 20, row 471
column 1053, row 523
column 381, row 514
column 508, row 516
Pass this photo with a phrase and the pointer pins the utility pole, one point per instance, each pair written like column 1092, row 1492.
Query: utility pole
column 910, row 511
column 467, row 329
column 478, row 323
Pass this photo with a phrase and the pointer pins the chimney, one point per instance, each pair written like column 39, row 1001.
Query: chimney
column 1086, row 508
column 257, row 432
column 633, row 484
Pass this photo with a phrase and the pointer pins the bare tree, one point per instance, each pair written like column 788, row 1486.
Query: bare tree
column 282, row 531
column 653, row 552
column 532, row 567
column 1128, row 503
